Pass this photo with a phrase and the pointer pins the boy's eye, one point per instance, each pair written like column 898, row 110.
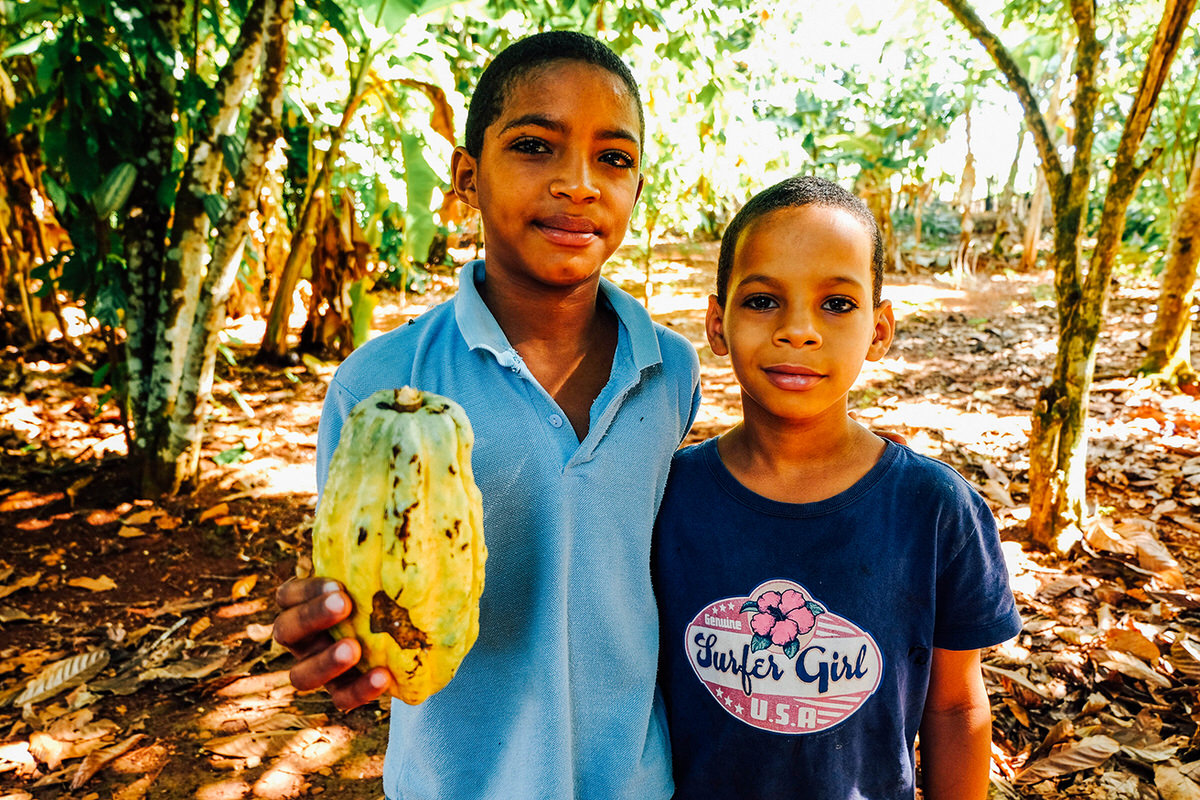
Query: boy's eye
column 530, row 146
column 839, row 305
column 618, row 158
column 759, row 302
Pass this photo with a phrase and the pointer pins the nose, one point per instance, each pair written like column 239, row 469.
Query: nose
column 798, row 328
column 575, row 180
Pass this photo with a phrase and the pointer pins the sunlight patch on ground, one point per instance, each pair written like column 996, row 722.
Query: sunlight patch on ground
column 273, row 477
column 968, row 429
column 909, row 298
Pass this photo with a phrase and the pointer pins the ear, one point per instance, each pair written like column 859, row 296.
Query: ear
column 641, row 183
column 464, row 172
column 714, row 326
column 885, row 329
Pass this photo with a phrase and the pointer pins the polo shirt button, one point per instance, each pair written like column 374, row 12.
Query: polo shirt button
column 555, row 420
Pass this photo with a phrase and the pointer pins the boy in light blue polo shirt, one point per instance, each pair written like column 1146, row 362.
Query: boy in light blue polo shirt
column 577, row 400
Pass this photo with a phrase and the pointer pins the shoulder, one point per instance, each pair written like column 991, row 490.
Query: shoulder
column 928, row 475
column 677, row 351
column 690, row 465
column 380, row 359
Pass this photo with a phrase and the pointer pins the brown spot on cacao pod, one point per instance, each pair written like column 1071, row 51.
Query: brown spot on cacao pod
column 402, row 531
column 388, row 616
column 362, row 535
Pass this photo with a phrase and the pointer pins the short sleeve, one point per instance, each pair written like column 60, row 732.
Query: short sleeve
column 975, row 605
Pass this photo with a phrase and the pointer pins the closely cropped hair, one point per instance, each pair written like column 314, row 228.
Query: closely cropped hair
column 801, row 190
column 524, row 56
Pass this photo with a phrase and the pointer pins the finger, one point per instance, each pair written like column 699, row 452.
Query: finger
column 296, row 627
column 301, row 590
column 356, row 689
column 325, row 665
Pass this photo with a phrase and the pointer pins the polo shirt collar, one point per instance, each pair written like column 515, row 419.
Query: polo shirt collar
column 481, row 331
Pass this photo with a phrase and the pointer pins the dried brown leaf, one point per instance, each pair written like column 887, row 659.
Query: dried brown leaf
column 1172, row 784
column 62, row 675
column 101, row 584
column 22, row 583
column 1131, row 666
column 219, row 510
column 1185, row 657
column 243, row 587
column 15, row 757
column 1131, row 641
column 1085, row 754
column 99, row 759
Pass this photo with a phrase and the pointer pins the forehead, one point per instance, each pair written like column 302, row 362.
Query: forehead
column 566, row 87
column 806, row 238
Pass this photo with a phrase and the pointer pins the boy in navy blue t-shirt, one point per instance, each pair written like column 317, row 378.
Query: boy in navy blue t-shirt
column 823, row 593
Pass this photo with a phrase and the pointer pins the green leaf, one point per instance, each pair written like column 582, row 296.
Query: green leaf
column 214, row 206
column 232, row 455
column 26, row 47
column 791, row 648
column 420, row 182
column 814, row 607
column 362, row 305
column 759, row 642
column 749, row 605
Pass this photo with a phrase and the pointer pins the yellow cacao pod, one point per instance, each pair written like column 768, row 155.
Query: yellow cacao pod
column 400, row 524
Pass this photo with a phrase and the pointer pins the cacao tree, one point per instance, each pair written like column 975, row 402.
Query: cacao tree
column 1169, row 352
column 153, row 159
column 1058, row 439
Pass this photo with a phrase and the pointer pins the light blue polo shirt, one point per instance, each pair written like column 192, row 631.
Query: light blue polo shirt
column 557, row 698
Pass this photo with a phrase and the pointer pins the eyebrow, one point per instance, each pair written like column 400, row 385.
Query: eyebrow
column 757, row 277
column 549, row 123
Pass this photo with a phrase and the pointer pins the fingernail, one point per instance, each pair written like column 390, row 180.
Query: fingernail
column 335, row 603
column 377, row 679
column 331, row 586
column 343, row 652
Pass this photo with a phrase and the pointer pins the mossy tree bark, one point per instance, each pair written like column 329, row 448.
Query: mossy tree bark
column 179, row 273
column 1169, row 354
column 1058, row 438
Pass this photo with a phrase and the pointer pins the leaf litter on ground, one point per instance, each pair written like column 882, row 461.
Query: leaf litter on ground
column 1096, row 698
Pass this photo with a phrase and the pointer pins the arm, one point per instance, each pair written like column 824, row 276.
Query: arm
column 310, row 607
column 956, row 730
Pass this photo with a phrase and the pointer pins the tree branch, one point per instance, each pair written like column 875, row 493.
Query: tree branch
column 1051, row 163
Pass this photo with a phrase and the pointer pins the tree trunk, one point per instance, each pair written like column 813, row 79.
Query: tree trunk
column 1058, row 444
column 1033, row 225
column 187, row 424
column 1169, row 354
column 964, row 260
column 145, row 232
column 1004, row 212
column 877, row 193
column 274, row 345
column 187, row 262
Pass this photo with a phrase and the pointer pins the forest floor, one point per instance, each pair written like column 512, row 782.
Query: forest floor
column 135, row 651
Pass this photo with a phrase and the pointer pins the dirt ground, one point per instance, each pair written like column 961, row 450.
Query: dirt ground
column 135, row 651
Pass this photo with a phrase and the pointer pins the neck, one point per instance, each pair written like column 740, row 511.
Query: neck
column 543, row 317
column 799, row 462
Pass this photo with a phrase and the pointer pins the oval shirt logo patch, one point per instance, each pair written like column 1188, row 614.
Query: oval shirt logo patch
column 780, row 661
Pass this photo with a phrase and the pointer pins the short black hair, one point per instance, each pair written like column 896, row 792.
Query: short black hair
column 797, row 191
column 525, row 55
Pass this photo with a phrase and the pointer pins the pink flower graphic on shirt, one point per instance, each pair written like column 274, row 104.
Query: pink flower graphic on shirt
column 781, row 619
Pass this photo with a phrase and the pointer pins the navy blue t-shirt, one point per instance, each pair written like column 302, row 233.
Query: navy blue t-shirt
column 796, row 638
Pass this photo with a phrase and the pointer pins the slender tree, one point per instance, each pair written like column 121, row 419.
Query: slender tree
column 1169, row 353
column 1058, row 438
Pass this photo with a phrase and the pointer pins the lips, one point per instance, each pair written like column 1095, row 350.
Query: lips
column 792, row 377
column 567, row 230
